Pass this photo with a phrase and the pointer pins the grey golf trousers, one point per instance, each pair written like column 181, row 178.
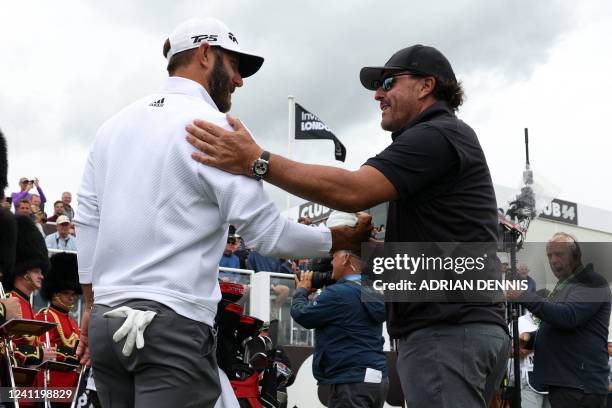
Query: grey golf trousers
column 452, row 366
column 176, row 368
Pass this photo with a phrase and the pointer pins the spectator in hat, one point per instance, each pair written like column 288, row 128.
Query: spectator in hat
column 67, row 199
column 61, row 239
column 348, row 354
column 61, row 289
column 229, row 259
column 26, row 185
column 58, row 209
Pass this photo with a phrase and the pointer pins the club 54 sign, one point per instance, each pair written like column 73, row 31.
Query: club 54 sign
column 562, row 211
column 316, row 212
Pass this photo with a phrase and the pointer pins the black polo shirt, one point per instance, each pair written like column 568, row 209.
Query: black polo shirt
column 445, row 195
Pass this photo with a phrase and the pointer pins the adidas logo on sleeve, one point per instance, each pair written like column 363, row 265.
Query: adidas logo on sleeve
column 158, row 103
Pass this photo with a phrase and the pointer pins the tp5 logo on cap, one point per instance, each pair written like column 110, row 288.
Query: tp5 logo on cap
column 207, row 37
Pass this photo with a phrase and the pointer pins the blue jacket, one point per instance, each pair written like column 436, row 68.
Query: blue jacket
column 229, row 261
column 348, row 332
column 571, row 344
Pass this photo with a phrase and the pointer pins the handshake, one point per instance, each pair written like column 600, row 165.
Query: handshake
column 349, row 230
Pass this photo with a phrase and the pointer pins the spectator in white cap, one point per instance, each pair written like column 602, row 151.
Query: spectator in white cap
column 62, row 239
column 157, row 268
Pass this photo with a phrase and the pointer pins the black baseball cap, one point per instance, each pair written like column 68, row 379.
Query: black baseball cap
column 419, row 59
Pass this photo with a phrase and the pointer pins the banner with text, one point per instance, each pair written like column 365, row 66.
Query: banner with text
column 309, row 126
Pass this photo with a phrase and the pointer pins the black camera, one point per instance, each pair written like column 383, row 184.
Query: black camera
column 321, row 273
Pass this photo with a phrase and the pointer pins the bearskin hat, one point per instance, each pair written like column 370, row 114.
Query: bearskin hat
column 63, row 275
column 8, row 242
column 31, row 251
column 8, row 228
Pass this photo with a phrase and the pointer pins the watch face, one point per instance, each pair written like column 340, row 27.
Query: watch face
column 260, row 168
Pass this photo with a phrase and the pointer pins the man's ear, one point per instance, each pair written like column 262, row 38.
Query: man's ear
column 427, row 86
column 204, row 54
column 347, row 259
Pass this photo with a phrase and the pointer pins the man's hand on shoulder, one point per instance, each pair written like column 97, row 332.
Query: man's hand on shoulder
column 232, row 151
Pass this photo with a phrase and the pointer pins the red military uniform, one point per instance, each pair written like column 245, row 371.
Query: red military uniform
column 64, row 338
column 27, row 349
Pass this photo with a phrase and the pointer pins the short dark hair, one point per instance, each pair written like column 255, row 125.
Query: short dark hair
column 449, row 91
column 58, row 201
column 179, row 59
column 25, row 201
column 183, row 58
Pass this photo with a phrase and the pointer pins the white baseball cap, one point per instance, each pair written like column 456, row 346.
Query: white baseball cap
column 62, row 219
column 191, row 33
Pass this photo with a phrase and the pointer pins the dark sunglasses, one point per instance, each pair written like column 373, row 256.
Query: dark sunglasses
column 387, row 83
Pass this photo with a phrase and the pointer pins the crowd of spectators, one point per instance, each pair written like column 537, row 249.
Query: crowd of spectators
column 58, row 229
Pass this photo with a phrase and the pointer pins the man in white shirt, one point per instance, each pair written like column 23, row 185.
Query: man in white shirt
column 163, row 260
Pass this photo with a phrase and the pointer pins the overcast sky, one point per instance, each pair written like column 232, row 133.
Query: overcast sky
column 70, row 64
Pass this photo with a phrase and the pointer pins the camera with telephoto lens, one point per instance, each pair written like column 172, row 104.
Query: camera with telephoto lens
column 321, row 273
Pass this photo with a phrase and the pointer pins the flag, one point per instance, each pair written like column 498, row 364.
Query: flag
column 309, row 126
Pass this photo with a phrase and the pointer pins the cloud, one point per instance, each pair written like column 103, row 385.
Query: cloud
column 68, row 66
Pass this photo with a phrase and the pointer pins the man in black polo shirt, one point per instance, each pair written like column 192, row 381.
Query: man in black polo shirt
column 435, row 177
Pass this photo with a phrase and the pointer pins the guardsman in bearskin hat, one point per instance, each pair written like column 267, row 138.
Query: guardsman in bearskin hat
column 31, row 264
column 61, row 288
column 9, row 308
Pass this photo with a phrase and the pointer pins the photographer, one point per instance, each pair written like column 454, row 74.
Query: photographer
column 26, row 185
column 348, row 335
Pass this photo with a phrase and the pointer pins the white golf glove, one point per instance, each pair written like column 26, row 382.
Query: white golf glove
column 136, row 321
column 339, row 218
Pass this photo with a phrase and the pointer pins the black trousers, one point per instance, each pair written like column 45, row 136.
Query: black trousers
column 358, row 395
column 561, row 397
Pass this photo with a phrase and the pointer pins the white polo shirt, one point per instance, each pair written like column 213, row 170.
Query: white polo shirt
column 153, row 223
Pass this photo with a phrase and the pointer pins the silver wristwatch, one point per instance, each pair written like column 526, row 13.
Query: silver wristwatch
column 261, row 165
